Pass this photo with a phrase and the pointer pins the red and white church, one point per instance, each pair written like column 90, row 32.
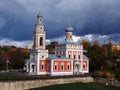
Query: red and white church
column 67, row 60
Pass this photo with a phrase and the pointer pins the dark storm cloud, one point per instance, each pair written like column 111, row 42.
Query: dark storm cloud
column 17, row 17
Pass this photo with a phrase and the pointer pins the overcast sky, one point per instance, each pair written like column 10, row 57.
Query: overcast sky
column 18, row 17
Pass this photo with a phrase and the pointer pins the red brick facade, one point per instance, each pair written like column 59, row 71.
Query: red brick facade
column 62, row 66
column 44, row 66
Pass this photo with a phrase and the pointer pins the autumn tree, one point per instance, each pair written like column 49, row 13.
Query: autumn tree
column 15, row 57
column 86, row 44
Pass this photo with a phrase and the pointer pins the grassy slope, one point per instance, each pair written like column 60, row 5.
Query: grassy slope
column 78, row 86
column 6, row 76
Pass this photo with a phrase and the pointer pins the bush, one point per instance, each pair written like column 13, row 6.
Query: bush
column 104, row 74
column 108, row 75
column 99, row 73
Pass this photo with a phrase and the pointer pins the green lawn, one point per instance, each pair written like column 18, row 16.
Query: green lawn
column 78, row 86
column 6, row 76
column 12, row 77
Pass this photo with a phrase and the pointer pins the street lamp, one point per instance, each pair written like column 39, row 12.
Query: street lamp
column 7, row 62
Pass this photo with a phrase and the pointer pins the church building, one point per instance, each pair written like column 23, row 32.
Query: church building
column 67, row 60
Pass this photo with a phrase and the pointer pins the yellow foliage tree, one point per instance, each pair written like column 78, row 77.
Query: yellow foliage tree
column 109, row 75
column 99, row 73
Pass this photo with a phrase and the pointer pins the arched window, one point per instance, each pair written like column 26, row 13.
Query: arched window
column 40, row 19
column 42, row 66
column 69, row 56
column 78, row 56
column 55, row 66
column 41, row 41
column 62, row 66
column 68, row 66
column 74, row 56
column 84, row 65
column 56, row 52
column 60, row 52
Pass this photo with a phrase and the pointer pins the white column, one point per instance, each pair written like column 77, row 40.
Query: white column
column 82, row 61
column 37, row 59
column 51, row 67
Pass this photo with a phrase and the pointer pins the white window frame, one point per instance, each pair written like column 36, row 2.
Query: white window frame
column 68, row 65
column 84, row 64
column 62, row 66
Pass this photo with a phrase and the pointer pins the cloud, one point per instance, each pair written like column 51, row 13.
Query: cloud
column 90, row 37
column 9, row 42
column 18, row 17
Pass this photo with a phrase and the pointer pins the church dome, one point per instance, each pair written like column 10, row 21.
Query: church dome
column 69, row 29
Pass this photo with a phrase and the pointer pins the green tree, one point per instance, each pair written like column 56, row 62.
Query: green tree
column 86, row 44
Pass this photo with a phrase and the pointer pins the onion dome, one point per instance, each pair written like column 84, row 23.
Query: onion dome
column 69, row 28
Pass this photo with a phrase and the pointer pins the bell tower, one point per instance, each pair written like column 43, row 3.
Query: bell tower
column 38, row 53
column 39, row 34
